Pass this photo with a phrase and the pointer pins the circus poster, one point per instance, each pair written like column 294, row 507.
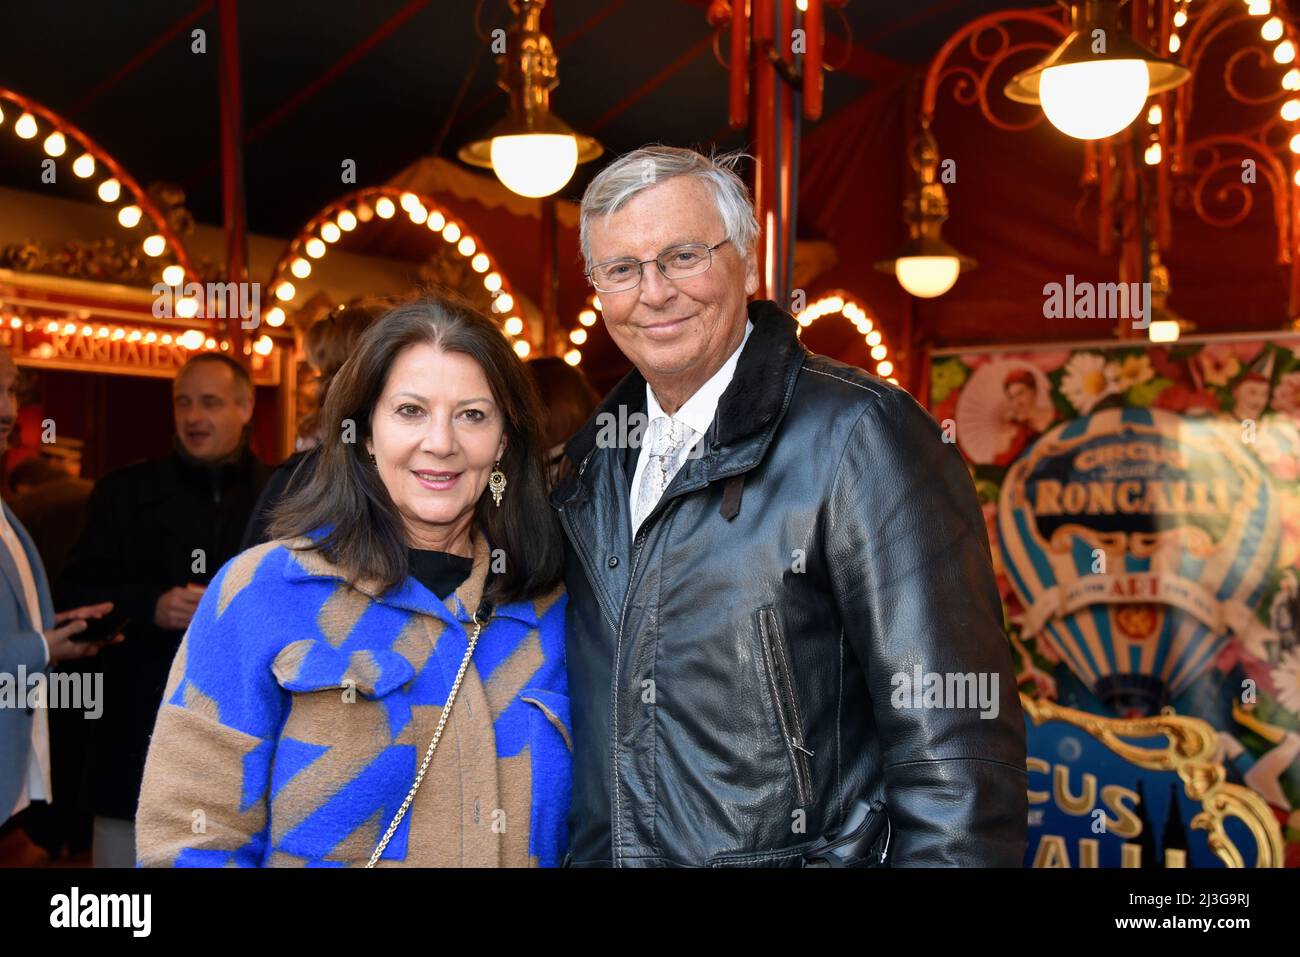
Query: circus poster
column 1142, row 504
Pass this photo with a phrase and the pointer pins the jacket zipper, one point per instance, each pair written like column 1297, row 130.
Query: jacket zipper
column 781, row 681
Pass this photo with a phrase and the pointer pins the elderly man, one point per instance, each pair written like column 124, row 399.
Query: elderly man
column 157, row 533
column 781, row 598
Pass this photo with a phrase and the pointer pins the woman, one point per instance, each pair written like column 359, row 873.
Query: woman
column 414, row 581
column 328, row 344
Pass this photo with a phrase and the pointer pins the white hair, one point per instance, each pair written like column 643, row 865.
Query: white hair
column 651, row 165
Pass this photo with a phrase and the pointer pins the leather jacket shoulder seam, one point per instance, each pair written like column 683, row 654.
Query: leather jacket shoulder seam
column 831, row 375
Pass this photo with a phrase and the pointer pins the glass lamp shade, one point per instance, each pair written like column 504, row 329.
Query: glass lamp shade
column 1094, row 99
column 534, row 164
column 927, row 277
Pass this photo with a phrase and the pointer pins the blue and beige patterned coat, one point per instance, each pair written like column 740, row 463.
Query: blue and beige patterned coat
column 300, row 706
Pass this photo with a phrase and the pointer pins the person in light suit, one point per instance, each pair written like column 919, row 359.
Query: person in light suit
column 33, row 638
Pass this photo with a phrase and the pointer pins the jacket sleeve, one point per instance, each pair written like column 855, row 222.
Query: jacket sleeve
column 203, row 800
column 910, row 569
column 100, row 567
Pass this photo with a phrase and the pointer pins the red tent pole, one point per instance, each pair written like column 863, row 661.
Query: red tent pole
column 232, row 161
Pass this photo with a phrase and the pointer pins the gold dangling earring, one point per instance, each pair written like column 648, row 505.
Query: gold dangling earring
column 497, row 483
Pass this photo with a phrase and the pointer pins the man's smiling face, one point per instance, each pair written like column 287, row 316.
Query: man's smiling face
column 676, row 332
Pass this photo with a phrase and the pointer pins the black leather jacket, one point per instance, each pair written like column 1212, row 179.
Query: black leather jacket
column 733, row 671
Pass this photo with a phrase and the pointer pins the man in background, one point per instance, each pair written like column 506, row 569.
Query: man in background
column 33, row 638
column 157, row 532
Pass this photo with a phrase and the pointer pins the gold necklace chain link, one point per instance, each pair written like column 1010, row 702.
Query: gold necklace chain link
column 433, row 744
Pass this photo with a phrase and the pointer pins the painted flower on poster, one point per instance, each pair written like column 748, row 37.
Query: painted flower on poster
column 1089, row 378
column 1219, row 364
column 1286, row 679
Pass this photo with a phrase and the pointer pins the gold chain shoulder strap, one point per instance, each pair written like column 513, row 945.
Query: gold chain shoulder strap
column 428, row 755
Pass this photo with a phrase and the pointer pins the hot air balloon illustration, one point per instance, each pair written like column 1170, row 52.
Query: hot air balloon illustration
column 1139, row 541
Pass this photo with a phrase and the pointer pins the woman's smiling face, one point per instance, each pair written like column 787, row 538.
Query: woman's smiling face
column 436, row 433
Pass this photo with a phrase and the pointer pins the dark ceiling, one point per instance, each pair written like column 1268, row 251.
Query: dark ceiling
column 388, row 81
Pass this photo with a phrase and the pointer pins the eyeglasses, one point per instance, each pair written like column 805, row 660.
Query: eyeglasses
column 675, row 262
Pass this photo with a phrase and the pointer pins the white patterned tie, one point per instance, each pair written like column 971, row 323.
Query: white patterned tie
column 663, row 463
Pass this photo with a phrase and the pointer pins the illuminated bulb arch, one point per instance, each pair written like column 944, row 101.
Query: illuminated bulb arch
column 312, row 244
column 840, row 303
column 64, row 142
column 578, row 335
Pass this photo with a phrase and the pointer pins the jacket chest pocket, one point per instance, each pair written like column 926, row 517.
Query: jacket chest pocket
column 785, row 700
column 345, row 714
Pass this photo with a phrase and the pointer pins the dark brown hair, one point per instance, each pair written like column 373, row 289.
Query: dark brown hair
column 567, row 397
column 328, row 344
column 344, row 491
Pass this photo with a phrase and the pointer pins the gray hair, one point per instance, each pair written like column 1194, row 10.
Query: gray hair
column 651, row 165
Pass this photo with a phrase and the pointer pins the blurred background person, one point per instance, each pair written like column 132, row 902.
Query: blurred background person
column 568, row 399
column 327, row 343
column 33, row 638
column 157, row 532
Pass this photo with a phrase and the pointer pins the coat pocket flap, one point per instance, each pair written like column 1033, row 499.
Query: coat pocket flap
column 310, row 664
column 555, row 707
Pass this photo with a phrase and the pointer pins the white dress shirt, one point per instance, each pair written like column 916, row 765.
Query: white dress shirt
column 38, row 786
column 696, row 414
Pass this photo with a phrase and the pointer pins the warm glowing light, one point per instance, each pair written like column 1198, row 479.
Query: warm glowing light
column 330, row 233
column 1155, row 115
column 437, row 221
column 110, row 190
column 514, row 325
column 1163, row 330
column 927, row 276
column 503, row 303
column 578, row 336
column 418, row 214
column 409, row 201
column 1291, row 110
column 884, row 368
column 314, row 248
column 451, row 233
column 1284, row 52
column 25, row 126
column 129, row 216
column 536, row 164
column 1180, row 18
column 1295, row 143
column 187, row 307
column 874, row 337
column 209, row 343
column 1093, row 99
column 1259, row 8
column 174, row 275
column 1272, row 29
column 189, row 339
column 154, row 245
column 480, row 262
column 84, row 165
column 285, row 291
column 522, row 348
column 879, row 352
column 347, row 221
column 595, row 303
column 1292, row 80
column 300, row 268
column 1152, row 155
column 55, row 144
column 1175, row 42
column 466, row 246
column 263, row 346
column 573, row 357
column 384, row 208
column 274, row 316
column 587, row 317
column 492, row 281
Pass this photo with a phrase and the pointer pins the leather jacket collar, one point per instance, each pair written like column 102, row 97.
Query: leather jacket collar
column 748, row 412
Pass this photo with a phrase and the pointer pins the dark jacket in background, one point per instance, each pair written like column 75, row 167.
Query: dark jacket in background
column 54, row 514
column 286, row 479
column 733, row 668
column 147, row 521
